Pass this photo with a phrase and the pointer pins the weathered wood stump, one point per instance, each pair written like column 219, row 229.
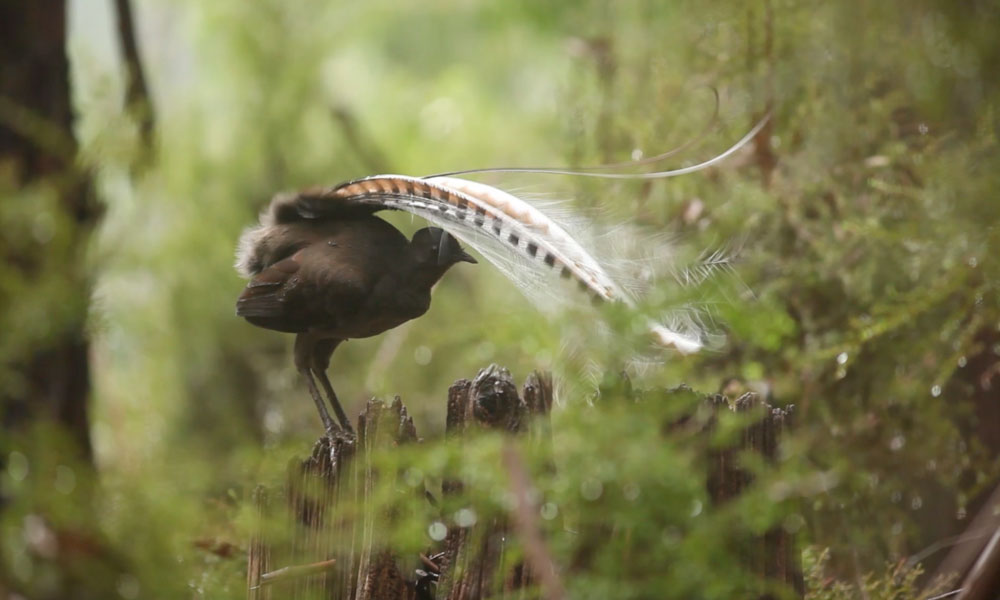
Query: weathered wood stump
column 473, row 558
column 773, row 555
column 334, row 550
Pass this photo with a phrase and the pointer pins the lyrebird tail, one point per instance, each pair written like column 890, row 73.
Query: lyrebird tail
column 526, row 244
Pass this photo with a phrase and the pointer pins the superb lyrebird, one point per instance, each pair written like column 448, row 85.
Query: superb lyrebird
column 323, row 266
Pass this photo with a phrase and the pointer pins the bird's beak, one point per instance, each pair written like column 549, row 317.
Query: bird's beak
column 464, row 256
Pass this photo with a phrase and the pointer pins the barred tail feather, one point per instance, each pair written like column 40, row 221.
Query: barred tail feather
column 472, row 211
column 545, row 240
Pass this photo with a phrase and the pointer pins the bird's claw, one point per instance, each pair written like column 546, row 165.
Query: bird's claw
column 336, row 433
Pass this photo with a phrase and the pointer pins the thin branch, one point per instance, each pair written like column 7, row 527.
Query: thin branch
column 296, row 571
column 365, row 148
column 946, row 595
column 964, row 554
column 526, row 523
column 137, row 98
column 767, row 160
column 948, row 542
column 982, row 580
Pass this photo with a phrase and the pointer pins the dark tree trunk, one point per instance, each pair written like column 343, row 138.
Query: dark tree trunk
column 50, row 370
column 47, row 214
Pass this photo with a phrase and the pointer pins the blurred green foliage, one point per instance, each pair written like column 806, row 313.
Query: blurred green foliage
column 898, row 581
column 866, row 294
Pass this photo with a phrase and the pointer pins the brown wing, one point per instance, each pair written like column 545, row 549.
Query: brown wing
column 304, row 291
column 263, row 301
column 322, row 275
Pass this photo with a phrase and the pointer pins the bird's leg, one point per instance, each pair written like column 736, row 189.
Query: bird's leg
column 341, row 416
column 304, row 361
column 321, row 360
column 328, row 423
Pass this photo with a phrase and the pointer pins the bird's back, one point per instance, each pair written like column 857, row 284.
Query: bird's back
column 345, row 278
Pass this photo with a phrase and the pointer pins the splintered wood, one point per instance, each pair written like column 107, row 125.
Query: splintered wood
column 337, row 557
column 321, row 535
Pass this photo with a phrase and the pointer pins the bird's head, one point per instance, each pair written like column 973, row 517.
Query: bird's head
column 436, row 248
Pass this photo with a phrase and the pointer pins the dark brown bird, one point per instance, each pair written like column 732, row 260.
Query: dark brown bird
column 338, row 274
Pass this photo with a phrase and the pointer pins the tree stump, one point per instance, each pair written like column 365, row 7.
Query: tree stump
column 337, row 556
column 469, row 568
column 773, row 555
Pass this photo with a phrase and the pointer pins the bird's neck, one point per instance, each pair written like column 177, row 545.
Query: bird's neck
column 425, row 276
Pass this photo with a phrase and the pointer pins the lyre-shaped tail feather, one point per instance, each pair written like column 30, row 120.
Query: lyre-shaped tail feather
column 518, row 238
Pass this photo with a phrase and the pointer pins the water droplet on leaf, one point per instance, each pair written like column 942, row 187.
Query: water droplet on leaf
column 17, row 466
column 422, row 355
column 591, row 489
column 437, row 531
column 465, row 517
column 65, row 479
